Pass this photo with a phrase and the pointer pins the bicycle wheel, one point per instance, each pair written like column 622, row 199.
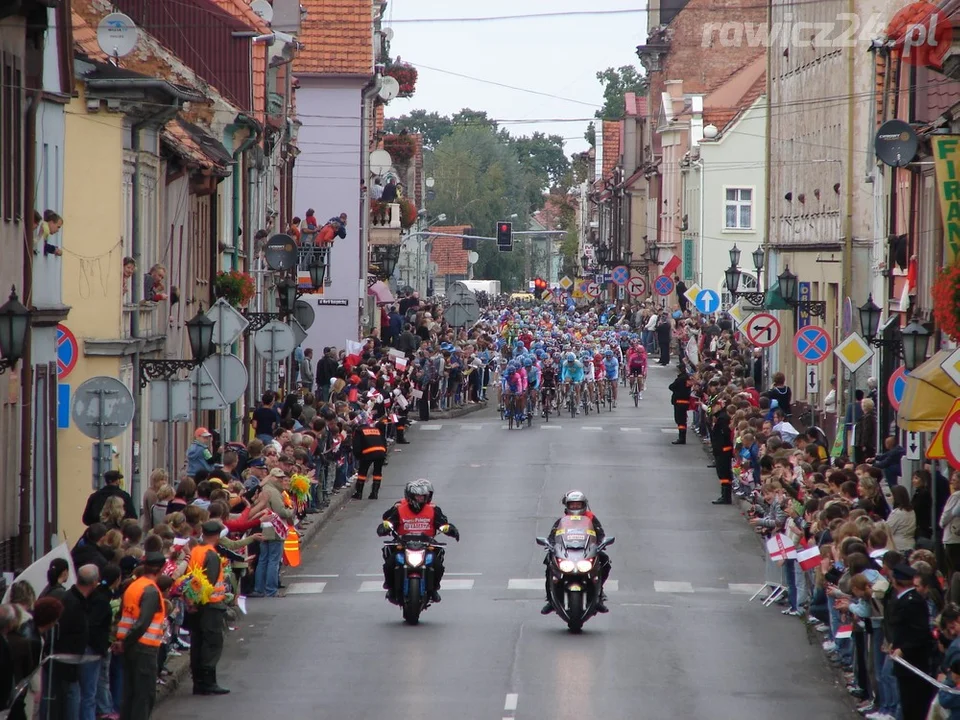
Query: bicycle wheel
column 636, row 393
column 598, row 397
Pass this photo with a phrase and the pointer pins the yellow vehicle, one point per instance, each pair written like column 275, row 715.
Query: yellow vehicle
column 522, row 296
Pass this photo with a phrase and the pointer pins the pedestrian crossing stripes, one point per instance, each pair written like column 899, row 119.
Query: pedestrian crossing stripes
column 631, row 429
column 457, row 581
column 592, row 428
column 430, row 427
column 541, row 425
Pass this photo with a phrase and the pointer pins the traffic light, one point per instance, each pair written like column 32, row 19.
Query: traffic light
column 539, row 287
column 505, row 236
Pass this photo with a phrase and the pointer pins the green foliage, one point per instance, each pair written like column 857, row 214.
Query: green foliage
column 432, row 126
column 543, row 156
column 617, row 82
column 591, row 134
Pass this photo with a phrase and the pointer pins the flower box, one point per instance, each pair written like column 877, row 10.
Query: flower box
column 236, row 287
column 406, row 76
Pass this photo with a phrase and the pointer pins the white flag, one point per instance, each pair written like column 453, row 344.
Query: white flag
column 781, row 547
column 36, row 574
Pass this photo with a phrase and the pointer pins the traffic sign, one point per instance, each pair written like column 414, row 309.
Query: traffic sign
column 951, row 439
column 812, row 378
column 566, row 282
column 304, row 313
column 68, row 351
column 897, row 386
column 275, row 341
column 912, row 445
column 708, row 301
column 763, row 330
column 663, row 285
column 226, row 371
column 637, row 286
column 620, row 275
column 692, row 292
column 736, row 312
column 591, row 289
column 936, row 450
column 812, row 344
column 102, row 407
column 547, row 296
column 853, row 352
column 229, row 324
column 951, row 366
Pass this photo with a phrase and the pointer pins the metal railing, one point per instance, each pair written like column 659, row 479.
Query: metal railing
column 153, row 318
column 920, row 673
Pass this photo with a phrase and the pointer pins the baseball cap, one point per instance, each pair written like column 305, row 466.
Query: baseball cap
column 211, row 527
column 277, row 473
column 201, row 432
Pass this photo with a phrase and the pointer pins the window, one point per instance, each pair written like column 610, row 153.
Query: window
column 738, row 213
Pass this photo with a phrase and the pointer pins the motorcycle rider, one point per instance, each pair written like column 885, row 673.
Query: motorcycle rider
column 415, row 515
column 575, row 503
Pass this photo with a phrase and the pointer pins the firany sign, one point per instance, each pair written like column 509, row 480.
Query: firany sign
column 946, row 157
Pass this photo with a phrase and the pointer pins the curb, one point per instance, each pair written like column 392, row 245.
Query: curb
column 457, row 412
column 180, row 666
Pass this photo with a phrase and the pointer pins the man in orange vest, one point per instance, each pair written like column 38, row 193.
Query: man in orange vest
column 139, row 636
column 207, row 621
column 370, row 450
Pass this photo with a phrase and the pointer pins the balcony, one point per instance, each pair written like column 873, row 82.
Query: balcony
column 385, row 223
column 153, row 318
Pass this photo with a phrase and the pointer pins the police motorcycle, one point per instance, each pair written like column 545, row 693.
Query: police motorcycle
column 414, row 557
column 575, row 586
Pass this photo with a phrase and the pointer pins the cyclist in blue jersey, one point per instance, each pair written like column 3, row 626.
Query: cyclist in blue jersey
column 572, row 374
column 533, row 380
column 611, row 370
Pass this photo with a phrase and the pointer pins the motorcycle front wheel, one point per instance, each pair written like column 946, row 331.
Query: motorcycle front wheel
column 575, row 610
column 411, row 603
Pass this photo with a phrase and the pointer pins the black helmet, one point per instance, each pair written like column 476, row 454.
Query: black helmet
column 418, row 494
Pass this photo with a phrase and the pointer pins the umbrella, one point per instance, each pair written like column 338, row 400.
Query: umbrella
column 380, row 290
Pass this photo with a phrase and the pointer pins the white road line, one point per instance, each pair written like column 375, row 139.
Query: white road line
column 672, row 587
column 591, row 427
column 449, row 574
column 744, row 588
column 306, row 588
column 525, row 584
column 656, row 605
column 510, row 705
column 316, row 576
column 379, row 574
column 371, row 586
column 631, row 429
column 550, row 427
column 612, row 586
column 449, row 584
column 476, row 426
column 668, row 431
column 431, row 427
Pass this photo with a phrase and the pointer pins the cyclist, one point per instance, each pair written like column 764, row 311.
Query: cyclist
column 533, row 382
column 572, row 373
column 637, row 366
column 548, row 382
column 589, row 375
column 509, row 387
column 611, row 367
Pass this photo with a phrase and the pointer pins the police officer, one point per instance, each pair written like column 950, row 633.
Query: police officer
column 207, row 620
column 370, row 450
column 681, row 404
column 139, row 636
column 721, row 442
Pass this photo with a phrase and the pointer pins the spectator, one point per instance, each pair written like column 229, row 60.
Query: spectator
column 889, row 461
column 73, row 639
column 310, row 221
column 199, row 455
column 154, row 289
column 271, row 549
column 158, row 479
column 336, row 227
column 865, row 434
column 57, row 575
column 902, row 522
column 908, row 621
column 389, row 193
column 781, row 393
column 293, row 230
column 266, row 419
column 48, row 225
column 90, row 549
column 306, row 369
column 129, row 270
column 111, row 488
column 950, row 524
column 922, row 502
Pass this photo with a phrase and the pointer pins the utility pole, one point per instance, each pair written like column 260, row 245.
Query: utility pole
column 526, row 262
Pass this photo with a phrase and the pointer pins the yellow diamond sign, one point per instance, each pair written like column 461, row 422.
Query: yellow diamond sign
column 853, row 352
column 565, row 282
column 951, row 366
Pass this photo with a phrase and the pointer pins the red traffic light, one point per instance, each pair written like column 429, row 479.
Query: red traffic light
column 504, row 228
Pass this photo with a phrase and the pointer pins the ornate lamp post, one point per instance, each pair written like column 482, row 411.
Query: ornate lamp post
column 200, row 336
column 14, row 322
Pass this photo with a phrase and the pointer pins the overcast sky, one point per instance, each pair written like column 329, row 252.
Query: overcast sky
column 558, row 56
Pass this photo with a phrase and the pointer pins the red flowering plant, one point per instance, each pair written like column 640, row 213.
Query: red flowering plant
column 404, row 74
column 401, row 147
column 236, row 287
column 408, row 213
column 946, row 301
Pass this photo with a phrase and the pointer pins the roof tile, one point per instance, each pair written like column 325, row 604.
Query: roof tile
column 338, row 38
column 85, row 39
column 240, row 9
column 611, row 145
column 447, row 252
column 723, row 117
column 207, row 154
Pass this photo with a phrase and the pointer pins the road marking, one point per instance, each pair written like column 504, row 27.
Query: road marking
column 510, row 705
column 457, row 585
column 672, row 587
column 631, row 430
column 550, row 427
column 306, row 588
column 591, row 427
column 744, row 588
column 612, row 586
column 371, row 586
column 504, row 427
column 472, row 426
column 431, row 427
column 449, row 574
column 525, row 584
column 317, row 576
column 655, row 605
column 379, row 574
column 668, row 431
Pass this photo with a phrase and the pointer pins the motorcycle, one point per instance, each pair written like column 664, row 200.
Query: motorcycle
column 413, row 574
column 575, row 586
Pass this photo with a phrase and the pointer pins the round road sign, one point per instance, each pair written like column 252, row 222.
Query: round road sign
column 812, row 344
column 275, row 341
column 897, row 386
column 663, row 285
column 620, row 275
column 592, row 289
column 637, row 286
column 102, row 407
column 763, row 330
column 951, row 439
column 68, row 351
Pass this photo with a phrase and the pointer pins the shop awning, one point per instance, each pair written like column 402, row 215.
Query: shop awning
column 928, row 396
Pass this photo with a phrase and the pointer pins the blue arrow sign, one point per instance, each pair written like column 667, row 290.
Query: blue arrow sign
column 708, row 301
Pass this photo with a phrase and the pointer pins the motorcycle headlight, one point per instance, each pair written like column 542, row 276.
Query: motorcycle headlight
column 584, row 566
column 567, row 566
column 415, row 557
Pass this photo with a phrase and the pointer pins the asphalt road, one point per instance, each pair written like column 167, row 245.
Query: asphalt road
column 681, row 639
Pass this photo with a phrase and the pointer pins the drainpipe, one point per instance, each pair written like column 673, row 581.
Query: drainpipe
column 369, row 93
column 703, row 177
column 26, row 362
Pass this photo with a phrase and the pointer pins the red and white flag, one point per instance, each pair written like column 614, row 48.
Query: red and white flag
column 781, row 547
column 400, row 362
column 809, row 557
column 844, row 632
column 354, row 350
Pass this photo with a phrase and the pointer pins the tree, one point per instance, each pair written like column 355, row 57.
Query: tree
column 467, row 117
column 591, row 134
column 433, row 127
column 544, row 157
column 617, row 82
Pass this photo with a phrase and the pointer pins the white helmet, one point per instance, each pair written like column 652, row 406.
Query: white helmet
column 575, row 503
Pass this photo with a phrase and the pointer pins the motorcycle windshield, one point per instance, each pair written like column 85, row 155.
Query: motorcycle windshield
column 575, row 536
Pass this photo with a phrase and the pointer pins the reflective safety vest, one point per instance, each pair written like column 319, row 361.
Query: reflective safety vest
column 291, row 548
column 421, row 523
column 198, row 558
column 373, row 440
column 130, row 613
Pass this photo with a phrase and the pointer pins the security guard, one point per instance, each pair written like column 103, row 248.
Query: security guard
column 370, row 450
column 139, row 636
column 681, row 404
column 721, row 442
column 207, row 620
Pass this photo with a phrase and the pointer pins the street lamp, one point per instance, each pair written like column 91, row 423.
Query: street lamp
column 732, row 275
column 200, row 336
column 584, row 261
column 627, row 257
column 653, row 252
column 788, row 285
column 734, row 256
column 14, row 321
column 758, row 258
column 914, row 338
column 870, row 319
column 286, row 296
column 602, row 254
column 318, row 269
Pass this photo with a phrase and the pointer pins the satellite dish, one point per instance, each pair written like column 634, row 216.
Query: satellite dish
column 280, row 252
column 264, row 9
column 896, row 143
column 388, row 34
column 429, row 182
column 380, row 162
column 472, row 257
column 117, row 35
column 389, row 88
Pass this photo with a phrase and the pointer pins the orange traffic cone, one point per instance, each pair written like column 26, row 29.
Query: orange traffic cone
column 291, row 548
